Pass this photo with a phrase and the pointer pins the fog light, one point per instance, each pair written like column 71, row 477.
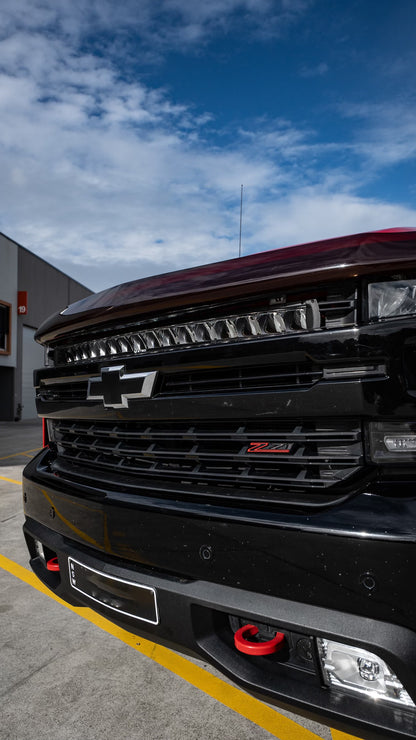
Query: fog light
column 369, row 669
column 355, row 670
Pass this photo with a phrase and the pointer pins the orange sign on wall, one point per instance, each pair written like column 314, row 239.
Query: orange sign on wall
column 22, row 302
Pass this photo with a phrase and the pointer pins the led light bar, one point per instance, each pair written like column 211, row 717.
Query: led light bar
column 400, row 443
column 393, row 441
column 355, row 670
column 299, row 317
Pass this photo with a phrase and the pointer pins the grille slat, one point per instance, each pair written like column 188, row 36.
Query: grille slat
column 334, row 432
column 63, row 392
column 299, row 458
column 138, row 454
column 226, row 379
column 207, row 475
column 292, row 377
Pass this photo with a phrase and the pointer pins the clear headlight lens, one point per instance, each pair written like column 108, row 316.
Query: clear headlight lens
column 356, row 670
column 396, row 298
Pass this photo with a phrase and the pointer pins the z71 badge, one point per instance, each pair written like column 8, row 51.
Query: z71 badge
column 281, row 447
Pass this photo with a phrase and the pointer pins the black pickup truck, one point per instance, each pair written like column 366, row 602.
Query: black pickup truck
column 229, row 469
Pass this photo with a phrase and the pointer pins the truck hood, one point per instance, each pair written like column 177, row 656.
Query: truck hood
column 278, row 268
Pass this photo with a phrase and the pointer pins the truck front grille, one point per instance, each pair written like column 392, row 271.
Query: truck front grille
column 296, row 462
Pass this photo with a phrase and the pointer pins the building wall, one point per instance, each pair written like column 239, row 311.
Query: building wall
column 8, row 292
column 48, row 290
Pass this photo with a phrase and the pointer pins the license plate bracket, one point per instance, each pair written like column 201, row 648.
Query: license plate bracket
column 118, row 594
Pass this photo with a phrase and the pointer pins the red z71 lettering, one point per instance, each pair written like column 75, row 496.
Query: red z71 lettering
column 268, row 447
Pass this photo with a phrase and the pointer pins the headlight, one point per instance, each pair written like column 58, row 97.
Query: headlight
column 396, row 298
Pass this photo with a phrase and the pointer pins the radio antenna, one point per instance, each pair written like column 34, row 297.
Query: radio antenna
column 241, row 220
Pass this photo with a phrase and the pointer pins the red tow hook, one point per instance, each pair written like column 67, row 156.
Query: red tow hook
column 256, row 648
column 52, row 564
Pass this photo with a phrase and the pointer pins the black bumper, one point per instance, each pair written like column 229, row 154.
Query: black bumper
column 205, row 570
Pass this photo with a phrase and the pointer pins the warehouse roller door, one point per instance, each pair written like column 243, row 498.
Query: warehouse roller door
column 32, row 358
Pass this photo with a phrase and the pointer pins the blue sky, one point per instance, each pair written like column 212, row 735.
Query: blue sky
column 126, row 130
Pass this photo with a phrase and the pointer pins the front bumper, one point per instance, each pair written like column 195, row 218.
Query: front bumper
column 303, row 579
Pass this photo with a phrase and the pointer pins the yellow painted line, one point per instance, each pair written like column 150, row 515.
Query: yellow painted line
column 11, row 480
column 338, row 735
column 26, row 453
column 237, row 700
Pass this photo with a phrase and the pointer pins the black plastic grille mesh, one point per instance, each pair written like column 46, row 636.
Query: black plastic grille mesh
column 228, row 459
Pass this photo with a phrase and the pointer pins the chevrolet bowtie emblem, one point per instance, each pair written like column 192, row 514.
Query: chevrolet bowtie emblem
column 115, row 387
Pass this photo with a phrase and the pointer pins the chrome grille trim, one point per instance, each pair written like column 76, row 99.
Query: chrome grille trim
column 289, row 319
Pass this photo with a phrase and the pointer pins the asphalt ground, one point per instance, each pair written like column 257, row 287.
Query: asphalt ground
column 69, row 674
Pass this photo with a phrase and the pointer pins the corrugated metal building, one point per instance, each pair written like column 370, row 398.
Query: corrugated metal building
column 30, row 290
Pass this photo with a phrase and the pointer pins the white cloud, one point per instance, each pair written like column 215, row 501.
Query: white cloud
column 107, row 170
column 386, row 134
column 310, row 214
column 110, row 179
column 159, row 23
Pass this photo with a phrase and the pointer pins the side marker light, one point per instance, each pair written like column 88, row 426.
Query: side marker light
column 45, row 435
